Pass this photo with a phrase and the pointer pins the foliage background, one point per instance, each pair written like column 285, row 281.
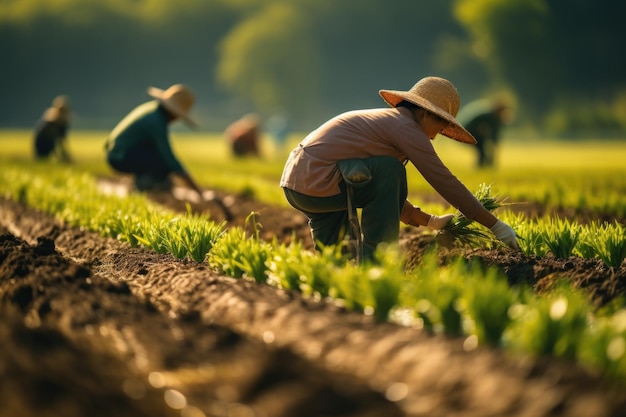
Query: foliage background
column 560, row 61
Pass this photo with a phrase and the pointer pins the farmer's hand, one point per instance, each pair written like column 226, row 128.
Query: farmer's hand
column 439, row 222
column 505, row 233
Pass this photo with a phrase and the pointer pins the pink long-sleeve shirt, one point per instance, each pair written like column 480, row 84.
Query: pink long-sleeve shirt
column 311, row 168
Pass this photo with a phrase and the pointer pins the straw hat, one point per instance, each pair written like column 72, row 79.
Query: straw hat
column 61, row 103
column 438, row 96
column 177, row 99
column 59, row 111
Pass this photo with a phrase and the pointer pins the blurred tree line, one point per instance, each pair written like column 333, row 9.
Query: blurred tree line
column 559, row 61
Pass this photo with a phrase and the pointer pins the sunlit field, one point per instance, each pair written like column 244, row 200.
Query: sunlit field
column 526, row 303
column 126, row 297
column 575, row 173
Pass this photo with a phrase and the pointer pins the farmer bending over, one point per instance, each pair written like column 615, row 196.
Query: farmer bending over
column 243, row 136
column 383, row 140
column 484, row 120
column 51, row 131
column 140, row 143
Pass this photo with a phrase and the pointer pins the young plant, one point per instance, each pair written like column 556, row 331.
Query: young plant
column 464, row 231
column 286, row 265
column 587, row 241
column 604, row 347
column 609, row 243
column 531, row 239
column 434, row 293
column 198, row 235
column 349, row 285
column 224, row 257
column 553, row 325
column 238, row 256
column 318, row 271
column 385, row 281
column 152, row 234
column 372, row 288
column 560, row 236
column 488, row 300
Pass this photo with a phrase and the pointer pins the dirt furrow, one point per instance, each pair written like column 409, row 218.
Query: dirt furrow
column 421, row 374
column 77, row 344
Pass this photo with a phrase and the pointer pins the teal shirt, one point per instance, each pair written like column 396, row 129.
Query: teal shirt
column 481, row 119
column 145, row 127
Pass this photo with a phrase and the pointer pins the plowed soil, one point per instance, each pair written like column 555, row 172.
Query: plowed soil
column 93, row 327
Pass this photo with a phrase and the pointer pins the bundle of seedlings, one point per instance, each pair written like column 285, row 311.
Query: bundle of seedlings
column 462, row 231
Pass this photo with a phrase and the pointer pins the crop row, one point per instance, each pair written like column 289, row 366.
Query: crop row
column 461, row 299
column 598, row 194
column 542, row 236
column 564, row 238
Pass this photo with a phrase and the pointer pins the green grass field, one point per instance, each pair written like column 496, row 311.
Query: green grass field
column 575, row 172
column 581, row 174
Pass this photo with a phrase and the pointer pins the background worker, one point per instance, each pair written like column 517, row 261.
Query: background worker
column 140, row 143
column 484, row 120
column 51, row 131
column 243, row 136
column 383, row 140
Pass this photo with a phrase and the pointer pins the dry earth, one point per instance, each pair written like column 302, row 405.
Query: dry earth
column 93, row 327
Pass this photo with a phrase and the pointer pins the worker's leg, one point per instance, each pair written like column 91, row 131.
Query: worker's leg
column 328, row 216
column 151, row 172
column 382, row 200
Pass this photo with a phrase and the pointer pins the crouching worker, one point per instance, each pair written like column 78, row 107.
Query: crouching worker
column 51, row 131
column 383, row 140
column 243, row 136
column 140, row 143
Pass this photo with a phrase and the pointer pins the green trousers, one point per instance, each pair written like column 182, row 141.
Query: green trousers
column 381, row 201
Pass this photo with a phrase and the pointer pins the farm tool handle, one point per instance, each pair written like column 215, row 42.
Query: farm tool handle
column 355, row 226
column 356, row 175
column 213, row 198
column 228, row 215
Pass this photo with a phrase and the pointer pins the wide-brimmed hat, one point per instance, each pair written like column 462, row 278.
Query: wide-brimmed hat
column 59, row 111
column 438, row 96
column 178, row 99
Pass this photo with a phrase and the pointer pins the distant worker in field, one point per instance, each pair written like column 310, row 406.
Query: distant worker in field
column 484, row 120
column 51, row 131
column 140, row 143
column 369, row 149
column 243, row 136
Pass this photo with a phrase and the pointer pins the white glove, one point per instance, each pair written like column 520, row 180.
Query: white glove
column 505, row 233
column 439, row 222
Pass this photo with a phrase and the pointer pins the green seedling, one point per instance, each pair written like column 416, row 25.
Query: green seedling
column 464, row 231
column 608, row 242
column 560, row 236
column 237, row 255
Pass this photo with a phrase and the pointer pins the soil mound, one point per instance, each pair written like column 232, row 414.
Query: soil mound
column 92, row 326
